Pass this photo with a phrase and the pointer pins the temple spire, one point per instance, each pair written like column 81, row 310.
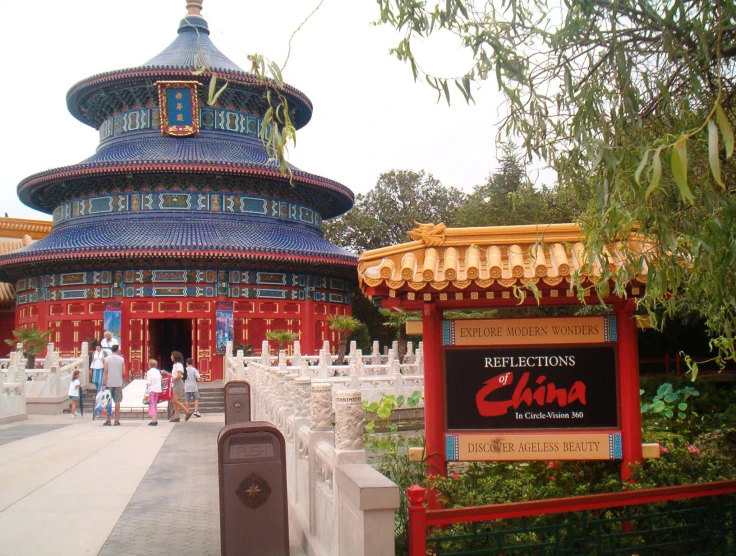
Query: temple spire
column 194, row 7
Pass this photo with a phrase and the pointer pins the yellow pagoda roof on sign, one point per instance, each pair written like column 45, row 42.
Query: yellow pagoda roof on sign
column 486, row 257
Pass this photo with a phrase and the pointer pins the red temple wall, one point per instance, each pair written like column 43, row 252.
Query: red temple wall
column 75, row 321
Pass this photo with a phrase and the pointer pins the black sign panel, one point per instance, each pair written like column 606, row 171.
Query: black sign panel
column 531, row 388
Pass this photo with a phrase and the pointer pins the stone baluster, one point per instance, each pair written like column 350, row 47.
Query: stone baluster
column 419, row 358
column 282, row 359
column 229, row 348
column 409, row 357
column 48, row 361
column 304, row 368
column 376, row 353
column 326, row 346
column 395, row 347
column 265, row 353
column 324, row 361
column 302, row 386
column 348, row 420
column 390, row 359
column 297, row 359
column 359, row 366
column 240, row 373
column 353, row 347
column 320, row 407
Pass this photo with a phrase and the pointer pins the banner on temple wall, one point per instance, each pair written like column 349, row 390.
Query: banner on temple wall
column 224, row 326
column 112, row 318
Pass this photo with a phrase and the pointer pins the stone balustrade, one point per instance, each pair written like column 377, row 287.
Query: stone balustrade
column 338, row 504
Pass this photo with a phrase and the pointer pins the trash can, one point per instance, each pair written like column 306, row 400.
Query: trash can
column 254, row 514
column 237, row 402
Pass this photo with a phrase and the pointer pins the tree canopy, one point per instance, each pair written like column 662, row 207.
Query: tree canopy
column 383, row 215
column 631, row 102
column 509, row 198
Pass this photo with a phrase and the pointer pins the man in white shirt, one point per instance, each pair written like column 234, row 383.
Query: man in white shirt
column 107, row 342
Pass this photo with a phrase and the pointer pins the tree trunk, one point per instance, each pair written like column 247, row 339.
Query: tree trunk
column 402, row 342
column 31, row 361
column 341, row 345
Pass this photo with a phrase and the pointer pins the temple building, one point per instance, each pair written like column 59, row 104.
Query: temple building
column 179, row 233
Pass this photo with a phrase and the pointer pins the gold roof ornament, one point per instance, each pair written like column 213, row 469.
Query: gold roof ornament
column 429, row 233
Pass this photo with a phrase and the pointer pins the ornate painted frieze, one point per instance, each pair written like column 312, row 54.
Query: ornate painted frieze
column 209, row 118
column 146, row 283
column 151, row 201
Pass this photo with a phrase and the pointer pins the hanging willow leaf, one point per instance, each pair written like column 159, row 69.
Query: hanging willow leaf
column 641, row 167
column 715, row 163
column 211, row 92
column 656, row 173
column 726, row 130
column 679, row 169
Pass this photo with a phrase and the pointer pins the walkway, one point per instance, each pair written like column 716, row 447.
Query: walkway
column 73, row 487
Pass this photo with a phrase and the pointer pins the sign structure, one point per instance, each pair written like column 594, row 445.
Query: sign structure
column 533, row 331
column 550, row 400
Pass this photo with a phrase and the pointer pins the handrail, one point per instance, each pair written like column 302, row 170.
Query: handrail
column 577, row 503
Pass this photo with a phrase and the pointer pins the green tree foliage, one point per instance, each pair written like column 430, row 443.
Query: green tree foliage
column 343, row 325
column 630, row 102
column 509, row 198
column 34, row 342
column 282, row 337
column 398, row 320
column 383, row 215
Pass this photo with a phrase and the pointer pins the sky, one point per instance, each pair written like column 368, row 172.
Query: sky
column 369, row 115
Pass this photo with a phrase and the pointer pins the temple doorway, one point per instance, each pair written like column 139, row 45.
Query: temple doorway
column 167, row 335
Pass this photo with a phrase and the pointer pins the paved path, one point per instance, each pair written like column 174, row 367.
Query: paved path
column 73, row 487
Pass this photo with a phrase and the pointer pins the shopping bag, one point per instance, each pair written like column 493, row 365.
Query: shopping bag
column 103, row 404
column 167, row 392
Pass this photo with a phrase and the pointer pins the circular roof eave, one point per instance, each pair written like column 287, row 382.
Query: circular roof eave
column 343, row 196
column 83, row 88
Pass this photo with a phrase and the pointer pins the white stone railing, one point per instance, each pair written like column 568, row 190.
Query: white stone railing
column 53, row 380
column 13, row 389
column 361, row 373
column 338, row 504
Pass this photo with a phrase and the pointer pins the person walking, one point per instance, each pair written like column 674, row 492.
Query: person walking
column 153, row 379
column 177, row 378
column 74, row 393
column 98, row 366
column 107, row 342
column 190, row 386
column 112, row 379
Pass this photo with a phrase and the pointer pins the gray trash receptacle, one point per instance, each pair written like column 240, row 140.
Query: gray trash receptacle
column 254, row 514
column 237, row 402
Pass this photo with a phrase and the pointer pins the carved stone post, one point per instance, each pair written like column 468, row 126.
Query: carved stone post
column 302, row 386
column 229, row 349
column 297, row 360
column 376, row 353
column 265, row 353
column 240, row 373
column 348, row 420
column 320, row 407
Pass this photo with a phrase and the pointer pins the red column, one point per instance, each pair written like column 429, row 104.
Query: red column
column 628, row 358
column 306, row 338
column 434, row 391
column 417, row 524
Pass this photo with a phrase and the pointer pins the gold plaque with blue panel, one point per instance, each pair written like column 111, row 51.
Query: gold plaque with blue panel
column 179, row 109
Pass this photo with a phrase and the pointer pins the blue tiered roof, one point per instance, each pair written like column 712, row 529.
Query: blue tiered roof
column 124, row 105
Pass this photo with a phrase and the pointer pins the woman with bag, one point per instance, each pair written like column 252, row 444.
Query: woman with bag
column 178, row 375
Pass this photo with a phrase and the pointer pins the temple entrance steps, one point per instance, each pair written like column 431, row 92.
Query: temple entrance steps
column 212, row 400
column 212, row 397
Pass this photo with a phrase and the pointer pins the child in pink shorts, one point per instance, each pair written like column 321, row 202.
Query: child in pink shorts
column 153, row 378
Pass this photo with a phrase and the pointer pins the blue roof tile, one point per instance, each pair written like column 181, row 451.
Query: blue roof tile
column 203, row 236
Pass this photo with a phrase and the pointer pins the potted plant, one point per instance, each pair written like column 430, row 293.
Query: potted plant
column 343, row 325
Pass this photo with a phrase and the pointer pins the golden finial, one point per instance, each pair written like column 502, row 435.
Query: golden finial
column 194, row 7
